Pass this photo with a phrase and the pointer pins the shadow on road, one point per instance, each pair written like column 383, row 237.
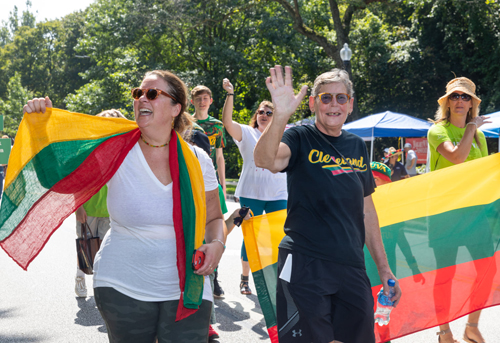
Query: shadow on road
column 237, row 314
column 6, row 314
column 89, row 315
column 20, row 339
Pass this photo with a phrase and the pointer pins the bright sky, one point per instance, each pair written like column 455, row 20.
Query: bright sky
column 47, row 9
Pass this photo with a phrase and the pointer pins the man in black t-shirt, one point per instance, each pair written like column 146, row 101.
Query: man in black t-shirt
column 323, row 292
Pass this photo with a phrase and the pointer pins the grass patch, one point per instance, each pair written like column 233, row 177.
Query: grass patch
column 230, row 189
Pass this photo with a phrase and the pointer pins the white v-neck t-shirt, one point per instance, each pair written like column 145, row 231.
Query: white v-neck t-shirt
column 257, row 183
column 138, row 255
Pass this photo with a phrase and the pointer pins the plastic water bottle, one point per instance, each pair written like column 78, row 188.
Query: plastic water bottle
column 384, row 304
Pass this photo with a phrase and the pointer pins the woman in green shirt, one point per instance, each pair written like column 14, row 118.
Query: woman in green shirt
column 455, row 138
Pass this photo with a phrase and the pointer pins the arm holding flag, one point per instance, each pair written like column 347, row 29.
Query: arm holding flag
column 214, row 236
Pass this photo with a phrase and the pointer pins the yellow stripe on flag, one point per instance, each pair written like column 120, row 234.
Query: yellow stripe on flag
column 262, row 236
column 54, row 126
column 464, row 185
column 196, row 178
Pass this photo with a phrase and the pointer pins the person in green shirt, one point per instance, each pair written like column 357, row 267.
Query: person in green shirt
column 95, row 213
column 201, row 98
column 455, row 138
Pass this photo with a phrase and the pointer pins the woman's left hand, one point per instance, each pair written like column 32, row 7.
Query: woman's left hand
column 213, row 253
column 480, row 120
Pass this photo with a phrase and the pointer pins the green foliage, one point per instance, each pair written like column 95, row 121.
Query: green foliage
column 404, row 53
column 12, row 107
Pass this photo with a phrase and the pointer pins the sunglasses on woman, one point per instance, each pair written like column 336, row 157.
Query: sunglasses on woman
column 456, row 96
column 151, row 93
column 267, row 113
column 327, row 98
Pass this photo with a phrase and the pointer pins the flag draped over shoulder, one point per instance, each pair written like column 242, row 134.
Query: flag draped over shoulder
column 61, row 159
column 441, row 233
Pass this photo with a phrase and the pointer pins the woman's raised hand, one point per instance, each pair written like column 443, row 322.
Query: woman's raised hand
column 480, row 120
column 282, row 93
column 37, row 105
column 228, row 87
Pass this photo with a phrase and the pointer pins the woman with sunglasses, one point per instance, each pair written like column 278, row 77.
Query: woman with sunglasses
column 137, row 280
column 455, row 138
column 257, row 188
column 331, row 215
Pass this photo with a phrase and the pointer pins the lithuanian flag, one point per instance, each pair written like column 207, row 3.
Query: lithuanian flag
column 441, row 233
column 61, row 159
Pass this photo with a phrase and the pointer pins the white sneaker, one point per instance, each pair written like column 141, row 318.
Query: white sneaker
column 80, row 287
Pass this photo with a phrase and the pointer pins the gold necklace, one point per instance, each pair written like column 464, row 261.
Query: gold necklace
column 154, row 146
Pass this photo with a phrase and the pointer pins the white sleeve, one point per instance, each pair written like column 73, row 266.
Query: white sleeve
column 244, row 132
column 207, row 168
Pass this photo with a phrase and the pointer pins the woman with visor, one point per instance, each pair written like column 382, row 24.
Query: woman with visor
column 257, row 188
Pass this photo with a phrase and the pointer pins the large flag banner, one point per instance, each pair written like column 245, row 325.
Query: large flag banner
column 441, row 233
column 53, row 155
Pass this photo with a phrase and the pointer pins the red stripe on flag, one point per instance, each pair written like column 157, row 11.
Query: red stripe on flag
column 273, row 334
column 48, row 213
column 441, row 296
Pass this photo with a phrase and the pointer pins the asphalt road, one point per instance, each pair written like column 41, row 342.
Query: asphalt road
column 39, row 305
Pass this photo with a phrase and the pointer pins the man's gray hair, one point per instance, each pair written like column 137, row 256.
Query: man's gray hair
column 335, row 75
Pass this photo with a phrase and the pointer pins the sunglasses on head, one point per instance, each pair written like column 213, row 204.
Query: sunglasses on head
column 267, row 113
column 456, row 96
column 327, row 98
column 151, row 93
column 242, row 214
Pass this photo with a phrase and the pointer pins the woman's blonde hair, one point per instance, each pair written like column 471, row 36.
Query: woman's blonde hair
column 443, row 114
column 112, row 113
column 253, row 121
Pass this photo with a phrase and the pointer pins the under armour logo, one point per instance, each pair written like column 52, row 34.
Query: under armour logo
column 297, row 333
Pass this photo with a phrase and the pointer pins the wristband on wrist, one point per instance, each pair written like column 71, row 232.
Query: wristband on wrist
column 221, row 242
column 228, row 94
column 472, row 123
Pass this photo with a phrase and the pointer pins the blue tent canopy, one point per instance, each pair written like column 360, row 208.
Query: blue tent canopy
column 389, row 124
column 492, row 130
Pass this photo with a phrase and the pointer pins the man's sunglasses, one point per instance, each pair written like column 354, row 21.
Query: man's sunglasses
column 327, row 98
column 151, row 93
column 267, row 113
column 242, row 214
column 456, row 96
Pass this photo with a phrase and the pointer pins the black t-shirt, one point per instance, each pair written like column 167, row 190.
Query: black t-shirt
column 325, row 216
column 399, row 170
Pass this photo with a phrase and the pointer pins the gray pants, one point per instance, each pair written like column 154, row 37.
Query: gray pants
column 133, row 321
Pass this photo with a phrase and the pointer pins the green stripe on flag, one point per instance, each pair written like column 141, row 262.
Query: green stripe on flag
column 49, row 166
column 265, row 283
column 413, row 246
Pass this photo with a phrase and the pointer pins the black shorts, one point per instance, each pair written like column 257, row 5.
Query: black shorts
column 324, row 301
